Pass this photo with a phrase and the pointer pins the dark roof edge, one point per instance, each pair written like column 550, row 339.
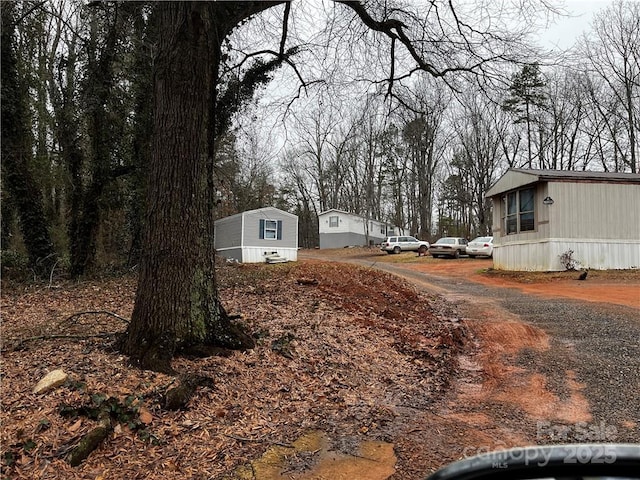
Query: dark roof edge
column 544, row 175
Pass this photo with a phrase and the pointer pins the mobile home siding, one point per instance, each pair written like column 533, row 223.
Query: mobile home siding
column 340, row 240
column 252, row 229
column 595, row 210
column 544, row 256
column 227, row 231
column 596, row 218
column 351, row 230
column 238, row 237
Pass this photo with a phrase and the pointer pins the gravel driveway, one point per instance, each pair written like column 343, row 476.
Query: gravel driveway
column 591, row 367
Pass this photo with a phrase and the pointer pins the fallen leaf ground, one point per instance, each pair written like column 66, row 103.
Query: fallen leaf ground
column 340, row 349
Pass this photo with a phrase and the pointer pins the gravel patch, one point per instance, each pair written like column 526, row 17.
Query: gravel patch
column 597, row 343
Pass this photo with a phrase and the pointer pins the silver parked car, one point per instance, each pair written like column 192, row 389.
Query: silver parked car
column 404, row 243
column 449, row 247
column 480, row 246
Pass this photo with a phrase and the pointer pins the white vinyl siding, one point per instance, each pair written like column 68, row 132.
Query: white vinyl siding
column 593, row 214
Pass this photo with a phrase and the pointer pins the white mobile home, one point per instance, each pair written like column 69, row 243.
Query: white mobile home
column 339, row 229
column 539, row 215
column 256, row 235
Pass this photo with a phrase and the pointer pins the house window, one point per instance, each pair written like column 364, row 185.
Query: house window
column 520, row 212
column 270, row 229
column 526, row 210
column 333, row 221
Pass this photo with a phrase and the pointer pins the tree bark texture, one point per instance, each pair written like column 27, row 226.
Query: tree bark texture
column 177, row 303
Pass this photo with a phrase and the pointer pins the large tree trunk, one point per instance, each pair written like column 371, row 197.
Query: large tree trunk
column 177, row 305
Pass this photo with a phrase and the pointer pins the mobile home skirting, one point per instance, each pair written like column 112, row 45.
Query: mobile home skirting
column 257, row 254
column 544, row 255
column 346, row 239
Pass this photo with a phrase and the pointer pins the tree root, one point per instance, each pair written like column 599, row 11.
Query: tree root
column 178, row 397
column 90, row 441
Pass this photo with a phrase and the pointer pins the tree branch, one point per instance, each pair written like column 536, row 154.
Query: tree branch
column 285, row 26
column 28, row 12
column 56, row 336
column 395, row 29
column 96, row 312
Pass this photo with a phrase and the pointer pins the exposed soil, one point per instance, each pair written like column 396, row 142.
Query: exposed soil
column 620, row 287
column 557, row 370
column 616, row 287
column 354, row 368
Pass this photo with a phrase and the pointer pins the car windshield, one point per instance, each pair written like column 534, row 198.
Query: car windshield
column 447, row 240
column 481, row 240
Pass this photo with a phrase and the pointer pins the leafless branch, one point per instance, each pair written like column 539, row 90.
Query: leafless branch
column 285, row 58
column 96, row 312
column 285, row 26
column 28, row 12
column 18, row 345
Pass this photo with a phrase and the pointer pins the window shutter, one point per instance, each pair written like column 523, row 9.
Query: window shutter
column 279, row 229
column 261, row 231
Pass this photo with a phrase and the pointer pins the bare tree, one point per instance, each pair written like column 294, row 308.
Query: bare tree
column 614, row 56
column 479, row 157
column 305, row 205
column 314, row 132
column 177, row 306
column 565, row 119
column 423, row 137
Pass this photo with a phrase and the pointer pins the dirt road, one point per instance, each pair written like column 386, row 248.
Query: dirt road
column 554, row 361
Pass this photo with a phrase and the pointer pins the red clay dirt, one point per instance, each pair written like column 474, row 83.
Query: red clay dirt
column 617, row 287
column 501, row 335
column 495, row 402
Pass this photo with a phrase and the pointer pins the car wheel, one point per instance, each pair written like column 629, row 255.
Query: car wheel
column 422, row 249
column 397, row 249
column 456, row 254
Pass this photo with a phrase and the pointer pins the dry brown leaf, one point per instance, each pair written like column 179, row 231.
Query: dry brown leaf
column 351, row 358
column 76, row 426
column 145, row 416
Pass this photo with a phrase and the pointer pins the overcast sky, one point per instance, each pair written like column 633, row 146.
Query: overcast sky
column 566, row 30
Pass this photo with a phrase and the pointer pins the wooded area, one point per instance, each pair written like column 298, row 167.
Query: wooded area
column 77, row 122
column 129, row 127
column 121, row 145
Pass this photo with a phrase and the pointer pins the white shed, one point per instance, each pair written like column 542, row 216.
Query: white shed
column 539, row 215
column 339, row 229
column 257, row 236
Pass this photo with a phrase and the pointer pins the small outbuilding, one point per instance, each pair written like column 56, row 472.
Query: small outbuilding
column 544, row 218
column 338, row 229
column 262, row 235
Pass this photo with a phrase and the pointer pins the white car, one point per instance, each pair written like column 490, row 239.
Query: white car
column 480, row 246
column 404, row 244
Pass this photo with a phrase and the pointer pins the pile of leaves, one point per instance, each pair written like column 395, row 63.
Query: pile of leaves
column 341, row 349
